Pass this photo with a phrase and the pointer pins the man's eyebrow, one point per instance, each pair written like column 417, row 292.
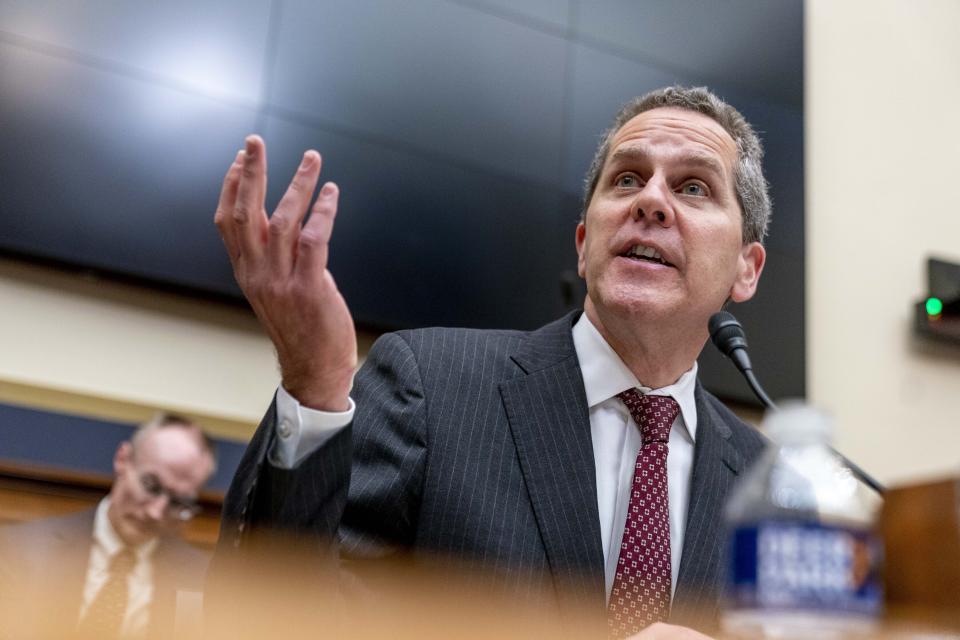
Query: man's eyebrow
column 702, row 160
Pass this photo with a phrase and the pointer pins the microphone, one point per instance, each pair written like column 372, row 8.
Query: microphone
column 729, row 337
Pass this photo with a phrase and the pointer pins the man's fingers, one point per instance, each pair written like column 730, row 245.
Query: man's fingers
column 285, row 222
column 249, row 217
column 223, row 218
column 313, row 247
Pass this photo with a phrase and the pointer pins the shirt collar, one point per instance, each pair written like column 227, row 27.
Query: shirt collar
column 109, row 540
column 605, row 374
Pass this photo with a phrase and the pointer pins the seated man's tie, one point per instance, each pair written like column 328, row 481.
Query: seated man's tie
column 104, row 617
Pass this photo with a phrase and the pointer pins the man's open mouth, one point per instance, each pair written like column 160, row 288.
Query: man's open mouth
column 643, row 252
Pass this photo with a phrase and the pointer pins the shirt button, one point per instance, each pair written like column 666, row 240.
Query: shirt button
column 284, row 429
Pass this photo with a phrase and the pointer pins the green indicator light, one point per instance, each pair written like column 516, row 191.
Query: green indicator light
column 934, row 306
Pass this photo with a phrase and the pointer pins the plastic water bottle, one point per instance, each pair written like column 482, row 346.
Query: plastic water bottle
column 803, row 552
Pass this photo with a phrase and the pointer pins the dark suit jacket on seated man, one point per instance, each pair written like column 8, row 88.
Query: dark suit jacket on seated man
column 60, row 575
column 512, row 448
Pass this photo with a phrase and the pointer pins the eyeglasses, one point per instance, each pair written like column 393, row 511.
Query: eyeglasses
column 178, row 507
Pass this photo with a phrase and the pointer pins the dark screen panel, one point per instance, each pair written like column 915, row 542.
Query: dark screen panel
column 111, row 172
column 423, row 242
column 549, row 13
column 430, row 75
column 459, row 131
column 756, row 45
column 216, row 46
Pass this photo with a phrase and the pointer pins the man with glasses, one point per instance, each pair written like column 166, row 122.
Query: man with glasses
column 118, row 567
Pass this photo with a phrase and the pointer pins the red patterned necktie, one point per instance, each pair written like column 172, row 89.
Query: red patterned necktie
column 641, row 586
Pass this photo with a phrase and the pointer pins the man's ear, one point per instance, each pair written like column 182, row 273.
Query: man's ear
column 121, row 459
column 749, row 266
column 580, row 237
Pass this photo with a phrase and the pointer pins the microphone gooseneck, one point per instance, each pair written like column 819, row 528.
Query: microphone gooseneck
column 729, row 337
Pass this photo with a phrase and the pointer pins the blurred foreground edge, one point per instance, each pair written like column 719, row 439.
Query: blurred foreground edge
column 278, row 585
column 920, row 524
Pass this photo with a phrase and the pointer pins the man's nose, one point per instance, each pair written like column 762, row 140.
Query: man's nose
column 653, row 204
column 157, row 507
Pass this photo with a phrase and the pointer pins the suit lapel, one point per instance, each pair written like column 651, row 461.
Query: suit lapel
column 716, row 464
column 74, row 541
column 547, row 410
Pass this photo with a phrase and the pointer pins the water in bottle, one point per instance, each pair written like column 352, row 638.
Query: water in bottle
column 802, row 549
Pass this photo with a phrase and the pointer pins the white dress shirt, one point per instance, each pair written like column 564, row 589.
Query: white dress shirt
column 106, row 544
column 616, row 440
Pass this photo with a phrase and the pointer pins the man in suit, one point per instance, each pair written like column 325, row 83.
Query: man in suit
column 540, row 453
column 115, row 570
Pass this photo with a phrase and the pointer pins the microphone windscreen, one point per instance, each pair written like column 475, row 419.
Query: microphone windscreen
column 726, row 332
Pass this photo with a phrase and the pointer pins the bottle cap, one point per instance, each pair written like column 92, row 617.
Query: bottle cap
column 797, row 422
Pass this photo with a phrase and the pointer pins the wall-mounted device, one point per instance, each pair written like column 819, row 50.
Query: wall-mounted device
column 938, row 314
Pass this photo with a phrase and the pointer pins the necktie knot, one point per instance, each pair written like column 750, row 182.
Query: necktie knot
column 653, row 414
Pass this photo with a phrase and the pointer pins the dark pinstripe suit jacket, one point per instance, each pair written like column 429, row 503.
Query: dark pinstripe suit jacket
column 477, row 444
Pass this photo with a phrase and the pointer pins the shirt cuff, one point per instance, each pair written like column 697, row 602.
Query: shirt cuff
column 301, row 430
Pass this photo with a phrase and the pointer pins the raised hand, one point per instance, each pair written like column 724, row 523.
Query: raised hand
column 281, row 266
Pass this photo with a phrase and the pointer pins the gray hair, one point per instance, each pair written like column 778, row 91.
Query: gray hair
column 749, row 182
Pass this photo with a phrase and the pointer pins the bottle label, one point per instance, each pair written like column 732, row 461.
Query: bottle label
column 792, row 566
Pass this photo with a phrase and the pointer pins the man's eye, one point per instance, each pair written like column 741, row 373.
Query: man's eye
column 151, row 484
column 693, row 189
column 627, row 181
